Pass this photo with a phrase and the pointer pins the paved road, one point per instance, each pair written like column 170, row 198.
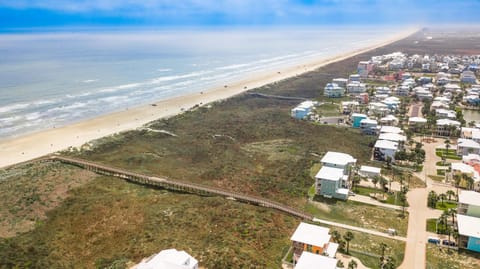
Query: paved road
column 415, row 252
column 358, row 229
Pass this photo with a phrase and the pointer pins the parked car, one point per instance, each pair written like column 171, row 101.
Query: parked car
column 446, row 242
column 433, row 240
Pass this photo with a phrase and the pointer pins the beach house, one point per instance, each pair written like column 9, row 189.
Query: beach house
column 384, row 149
column 369, row 126
column 468, row 77
column 391, row 129
column 331, row 181
column 416, row 123
column 341, row 82
column 468, row 220
column 303, row 110
column 311, row 261
column 364, row 68
column 313, row 239
column 332, row 90
column 402, row 90
column 356, row 119
column 168, row 259
column 354, row 77
column 467, row 146
column 356, row 87
column 369, row 171
column 388, row 120
column 445, row 127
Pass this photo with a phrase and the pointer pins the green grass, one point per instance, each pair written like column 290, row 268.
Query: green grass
column 450, row 154
column 441, row 163
column 443, row 258
column 446, row 205
column 366, row 247
column 329, row 110
column 358, row 214
column 366, row 191
column 432, row 225
column 311, row 192
column 441, row 172
column 437, row 178
column 109, row 221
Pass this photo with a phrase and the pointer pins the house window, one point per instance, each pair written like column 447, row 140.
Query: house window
column 317, row 251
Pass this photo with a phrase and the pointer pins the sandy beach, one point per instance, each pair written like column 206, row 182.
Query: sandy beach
column 38, row 144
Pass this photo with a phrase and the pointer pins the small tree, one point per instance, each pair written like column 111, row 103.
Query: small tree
column 375, row 180
column 348, row 237
column 442, row 197
column 336, row 236
column 340, row 264
column 450, row 193
column 352, row 264
column 432, row 199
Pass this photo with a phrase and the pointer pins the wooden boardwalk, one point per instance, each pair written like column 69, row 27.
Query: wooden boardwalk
column 178, row 185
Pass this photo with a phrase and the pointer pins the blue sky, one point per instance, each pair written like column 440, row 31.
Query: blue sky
column 167, row 13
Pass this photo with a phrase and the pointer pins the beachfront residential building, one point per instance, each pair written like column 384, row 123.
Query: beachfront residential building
column 383, row 90
column 378, row 109
column 313, row 239
column 417, row 124
column 402, row 90
column 332, row 179
column 362, row 98
column 369, row 126
column 389, row 120
column 354, row 77
column 332, row 90
column 356, row 119
column 467, row 146
column 303, row 110
column 384, row 149
column 453, row 88
column 468, row 220
column 369, row 171
column 342, row 82
column 356, row 87
column 446, row 127
column 311, row 261
column 364, row 68
column 391, row 129
column 445, row 113
column 470, row 133
column 169, row 259
column 397, row 138
column 468, row 77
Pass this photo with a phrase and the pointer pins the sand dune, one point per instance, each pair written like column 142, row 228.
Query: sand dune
column 34, row 145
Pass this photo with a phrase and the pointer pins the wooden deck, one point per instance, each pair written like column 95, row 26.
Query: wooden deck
column 177, row 185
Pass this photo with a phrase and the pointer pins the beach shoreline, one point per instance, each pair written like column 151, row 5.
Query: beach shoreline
column 23, row 148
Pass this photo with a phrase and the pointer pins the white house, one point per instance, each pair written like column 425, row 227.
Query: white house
column 303, row 109
column 389, row 120
column 356, row 87
column 398, row 138
column 467, row 146
column 354, row 77
column 445, row 113
column 169, row 259
column 384, row 149
column 470, row 133
column 391, row 129
column 311, row 261
column 332, row 90
column 313, row 239
column 342, row 82
column 445, row 126
column 332, row 179
column 368, row 126
column 369, row 171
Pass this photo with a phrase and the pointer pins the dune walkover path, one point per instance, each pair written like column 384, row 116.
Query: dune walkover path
column 200, row 189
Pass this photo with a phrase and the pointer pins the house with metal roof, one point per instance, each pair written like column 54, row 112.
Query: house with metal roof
column 313, row 239
column 311, row 261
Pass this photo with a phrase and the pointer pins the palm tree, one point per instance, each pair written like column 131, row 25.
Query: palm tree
column 470, row 181
column 336, row 236
column 432, row 199
column 375, row 180
column 457, row 178
column 348, row 237
column 383, row 248
column 389, row 263
column 442, row 197
column 452, row 212
column 450, row 193
column 352, row 264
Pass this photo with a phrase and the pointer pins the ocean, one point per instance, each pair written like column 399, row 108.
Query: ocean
column 50, row 79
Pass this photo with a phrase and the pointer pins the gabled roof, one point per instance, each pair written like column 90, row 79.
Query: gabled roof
column 330, row 173
column 311, row 234
column 391, row 129
column 468, row 143
column 417, row 119
column 468, row 226
column 370, row 169
column 338, row 158
column 443, row 122
column 310, row 261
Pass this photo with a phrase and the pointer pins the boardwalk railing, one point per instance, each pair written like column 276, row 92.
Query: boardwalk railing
column 178, row 185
